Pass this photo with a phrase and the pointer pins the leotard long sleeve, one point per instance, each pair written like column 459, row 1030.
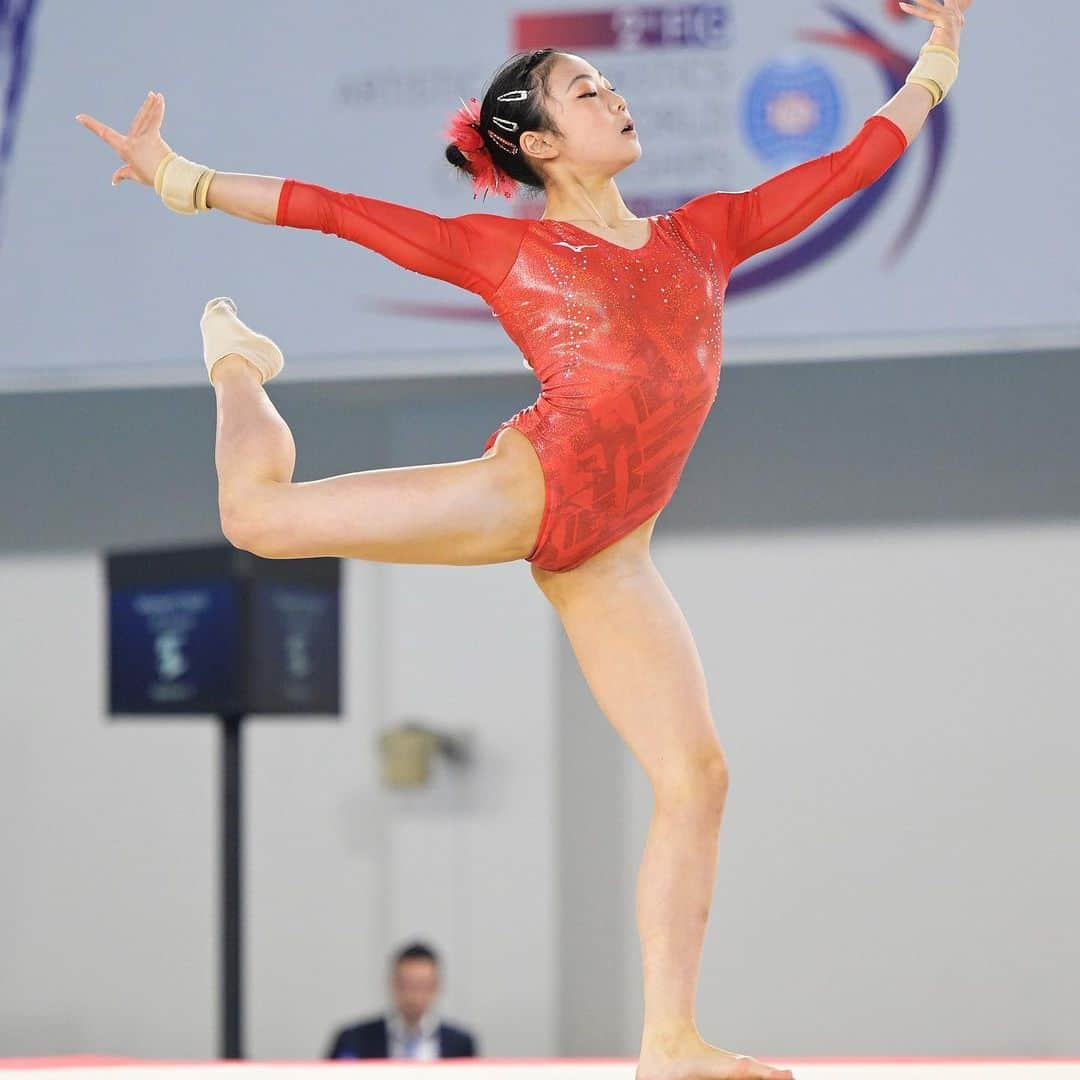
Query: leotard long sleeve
column 474, row 251
column 744, row 223
column 626, row 342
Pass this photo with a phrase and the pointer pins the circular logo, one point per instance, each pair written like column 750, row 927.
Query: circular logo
column 791, row 110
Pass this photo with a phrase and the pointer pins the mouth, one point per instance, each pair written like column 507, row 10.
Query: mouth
column 629, row 127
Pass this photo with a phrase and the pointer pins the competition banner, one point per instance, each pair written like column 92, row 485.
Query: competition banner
column 968, row 243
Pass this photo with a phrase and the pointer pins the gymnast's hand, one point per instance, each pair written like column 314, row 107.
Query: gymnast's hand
column 142, row 148
column 946, row 15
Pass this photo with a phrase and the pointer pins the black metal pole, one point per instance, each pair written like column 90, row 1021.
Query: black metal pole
column 232, row 727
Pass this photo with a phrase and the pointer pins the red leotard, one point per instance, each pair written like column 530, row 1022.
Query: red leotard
column 626, row 342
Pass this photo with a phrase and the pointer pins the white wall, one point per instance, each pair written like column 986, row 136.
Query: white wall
column 898, row 868
column 108, row 928
column 477, row 863
column 110, row 835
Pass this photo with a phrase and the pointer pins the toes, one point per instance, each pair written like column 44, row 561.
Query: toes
column 220, row 301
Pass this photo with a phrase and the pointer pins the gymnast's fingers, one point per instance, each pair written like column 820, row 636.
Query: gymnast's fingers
column 103, row 131
column 151, row 116
column 920, row 8
column 125, row 172
column 139, row 121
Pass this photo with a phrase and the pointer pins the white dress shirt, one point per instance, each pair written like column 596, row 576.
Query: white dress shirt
column 427, row 1049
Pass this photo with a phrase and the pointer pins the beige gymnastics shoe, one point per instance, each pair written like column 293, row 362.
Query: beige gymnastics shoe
column 223, row 333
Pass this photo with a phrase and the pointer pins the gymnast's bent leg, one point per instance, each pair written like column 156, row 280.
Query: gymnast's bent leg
column 640, row 661
column 484, row 510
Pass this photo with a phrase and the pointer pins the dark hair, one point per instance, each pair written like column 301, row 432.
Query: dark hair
column 523, row 71
column 416, row 951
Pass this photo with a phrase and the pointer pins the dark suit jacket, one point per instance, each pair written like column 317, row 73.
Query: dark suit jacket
column 372, row 1040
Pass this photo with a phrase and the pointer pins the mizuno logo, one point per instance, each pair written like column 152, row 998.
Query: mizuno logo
column 580, row 247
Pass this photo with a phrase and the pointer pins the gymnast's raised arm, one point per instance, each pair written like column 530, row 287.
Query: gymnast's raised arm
column 473, row 251
column 743, row 223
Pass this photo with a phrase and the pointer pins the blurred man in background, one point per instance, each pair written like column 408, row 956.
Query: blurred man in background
column 412, row 1027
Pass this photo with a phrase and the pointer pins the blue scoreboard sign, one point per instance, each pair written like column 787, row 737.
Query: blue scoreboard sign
column 218, row 630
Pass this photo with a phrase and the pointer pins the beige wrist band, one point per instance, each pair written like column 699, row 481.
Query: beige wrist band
column 202, row 187
column 936, row 69
column 161, row 169
column 182, row 184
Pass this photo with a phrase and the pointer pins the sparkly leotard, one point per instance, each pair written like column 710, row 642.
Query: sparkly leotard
column 626, row 342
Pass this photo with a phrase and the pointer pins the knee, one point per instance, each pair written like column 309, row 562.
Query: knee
column 698, row 783
column 246, row 535
column 236, row 527
column 263, row 545
column 246, row 522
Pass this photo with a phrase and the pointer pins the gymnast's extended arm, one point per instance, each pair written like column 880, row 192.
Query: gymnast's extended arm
column 743, row 223
column 473, row 251
column 244, row 195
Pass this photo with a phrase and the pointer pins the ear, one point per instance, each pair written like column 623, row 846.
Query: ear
column 537, row 144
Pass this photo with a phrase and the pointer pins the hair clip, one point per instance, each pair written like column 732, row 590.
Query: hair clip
column 506, row 125
column 513, row 95
column 508, row 146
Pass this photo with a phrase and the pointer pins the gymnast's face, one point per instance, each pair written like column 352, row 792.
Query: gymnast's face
column 592, row 117
column 415, row 985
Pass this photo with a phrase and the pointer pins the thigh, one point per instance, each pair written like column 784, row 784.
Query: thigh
column 638, row 656
column 483, row 510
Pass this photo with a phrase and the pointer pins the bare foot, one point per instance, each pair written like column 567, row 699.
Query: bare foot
column 701, row 1061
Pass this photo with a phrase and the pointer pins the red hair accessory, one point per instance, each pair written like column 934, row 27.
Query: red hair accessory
column 463, row 130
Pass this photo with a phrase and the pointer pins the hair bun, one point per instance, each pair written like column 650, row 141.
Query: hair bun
column 455, row 156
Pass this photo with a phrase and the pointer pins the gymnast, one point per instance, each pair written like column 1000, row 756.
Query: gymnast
column 620, row 319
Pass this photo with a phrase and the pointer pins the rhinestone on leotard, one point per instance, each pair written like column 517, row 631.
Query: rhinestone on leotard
column 622, row 395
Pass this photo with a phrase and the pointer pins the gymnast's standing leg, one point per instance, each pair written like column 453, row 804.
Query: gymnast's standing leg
column 642, row 666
